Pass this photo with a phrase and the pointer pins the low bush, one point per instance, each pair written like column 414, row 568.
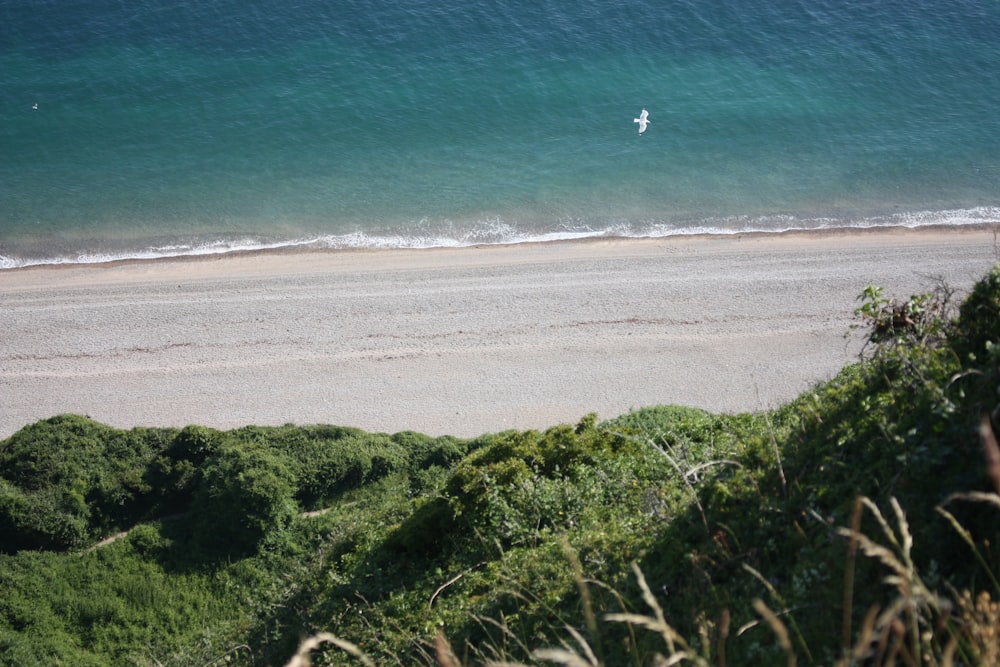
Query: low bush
column 68, row 480
column 245, row 496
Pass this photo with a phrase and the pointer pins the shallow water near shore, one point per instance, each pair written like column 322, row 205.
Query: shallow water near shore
column 201, row 129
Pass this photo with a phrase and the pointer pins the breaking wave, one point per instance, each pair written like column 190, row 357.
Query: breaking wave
column 500, row 232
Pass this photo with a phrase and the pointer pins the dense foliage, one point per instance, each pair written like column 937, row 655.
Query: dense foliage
column 732, row 539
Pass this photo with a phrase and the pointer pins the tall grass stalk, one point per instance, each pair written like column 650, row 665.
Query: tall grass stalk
column 678, row 649
column 786, row 612
column 588, row 608
column 991, row 453
column 777, row 456
column 779, row 629
column 852, row 554
column 897, row 629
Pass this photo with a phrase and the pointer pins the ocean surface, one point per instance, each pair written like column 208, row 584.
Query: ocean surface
column 142, row 128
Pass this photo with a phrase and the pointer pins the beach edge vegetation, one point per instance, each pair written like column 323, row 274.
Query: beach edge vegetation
column 857, row 524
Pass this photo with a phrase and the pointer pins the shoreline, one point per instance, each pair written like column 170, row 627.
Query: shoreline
column 317, row 246
column 305, row 258
column 458, row 341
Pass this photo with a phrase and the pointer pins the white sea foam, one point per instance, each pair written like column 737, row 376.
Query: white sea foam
column 218, row 247
column 496, row 231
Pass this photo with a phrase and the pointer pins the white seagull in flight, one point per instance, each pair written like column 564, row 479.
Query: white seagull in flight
column 643, row 121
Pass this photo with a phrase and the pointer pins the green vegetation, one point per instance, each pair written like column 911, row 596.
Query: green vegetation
column 856, row 525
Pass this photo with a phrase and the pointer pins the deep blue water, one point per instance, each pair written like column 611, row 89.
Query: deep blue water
column 192, row 126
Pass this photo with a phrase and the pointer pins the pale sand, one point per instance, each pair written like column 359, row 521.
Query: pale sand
column 455, row 341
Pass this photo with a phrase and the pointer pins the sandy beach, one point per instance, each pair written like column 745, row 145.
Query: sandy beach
column 455, row 341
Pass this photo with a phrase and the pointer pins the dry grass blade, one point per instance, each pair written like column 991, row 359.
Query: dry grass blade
column 777, row 457
column 852, row 552
column 777, row 597
column 874, row 550
column 886, row 635
column 948, row 656
column 904, row 530
column 695, row 470
column 967, row 538
column 991, row 450
column 506, row 634
column 779, row 629
column 301, row 657
column 442, row 651
column 647, row 595
column 976, row 497
column 646, row 623
column 862, row 646
column 562, row 657
column 430, row 603
column 877, row 513
column 721, row 636
column 588, row 607
column 959, row 528
column 584, row 646
column 670, row 636
column 676, row 659
column 760, row 577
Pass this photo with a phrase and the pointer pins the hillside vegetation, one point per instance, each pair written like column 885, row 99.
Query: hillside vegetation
column 858, row 524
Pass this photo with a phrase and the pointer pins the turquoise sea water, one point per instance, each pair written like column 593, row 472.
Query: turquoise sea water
column 193, row 127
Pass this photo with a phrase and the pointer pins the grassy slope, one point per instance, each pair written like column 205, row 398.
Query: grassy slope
column 515, row 541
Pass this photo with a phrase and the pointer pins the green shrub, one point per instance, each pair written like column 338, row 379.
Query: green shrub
column 69, row 480
column 517, row 487
column 424, row 451
column 50, row 518
column 246, row 494
column 692, row 422
column 195, row 444
column 978, row 317
column 327, row 461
